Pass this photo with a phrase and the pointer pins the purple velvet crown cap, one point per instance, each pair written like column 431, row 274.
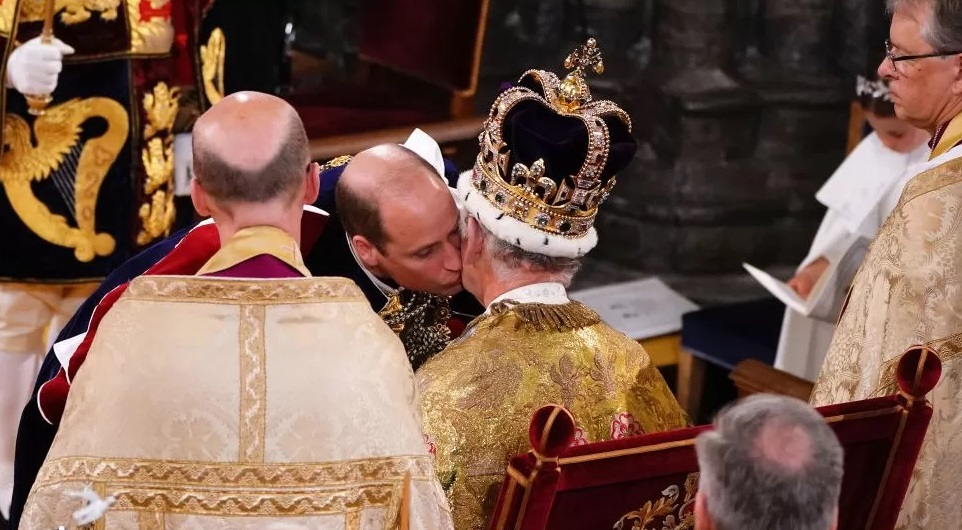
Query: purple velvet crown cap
column 533, row 131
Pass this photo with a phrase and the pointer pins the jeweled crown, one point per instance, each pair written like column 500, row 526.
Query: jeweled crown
column 562, row 205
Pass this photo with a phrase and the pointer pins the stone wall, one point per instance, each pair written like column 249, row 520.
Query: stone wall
column 741, row 107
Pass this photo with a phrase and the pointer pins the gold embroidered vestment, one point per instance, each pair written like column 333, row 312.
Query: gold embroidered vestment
column 477, row 396
column 232, row 403
column 908, row 292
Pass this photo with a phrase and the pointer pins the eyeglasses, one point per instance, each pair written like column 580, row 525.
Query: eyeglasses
column 896, row 59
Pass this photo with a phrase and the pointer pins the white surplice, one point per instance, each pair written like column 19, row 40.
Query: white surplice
column 861, row 193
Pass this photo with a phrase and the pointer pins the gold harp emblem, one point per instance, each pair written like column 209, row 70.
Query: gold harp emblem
column 58, row 133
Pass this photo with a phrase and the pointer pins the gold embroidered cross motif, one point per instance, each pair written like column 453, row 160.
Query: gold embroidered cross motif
column 57, row 134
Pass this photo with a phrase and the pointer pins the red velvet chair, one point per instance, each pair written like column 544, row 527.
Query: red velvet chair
column 650, row 481
column 420, row 64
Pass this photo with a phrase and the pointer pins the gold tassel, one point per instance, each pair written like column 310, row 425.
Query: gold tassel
column 545, row 317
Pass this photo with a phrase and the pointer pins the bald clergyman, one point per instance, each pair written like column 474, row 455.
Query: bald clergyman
column 213, row 402
column 326, row 250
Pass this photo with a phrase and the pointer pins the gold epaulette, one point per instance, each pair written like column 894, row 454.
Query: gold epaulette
column 547, row 317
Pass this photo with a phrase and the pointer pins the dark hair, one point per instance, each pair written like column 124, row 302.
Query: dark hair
column 878, row 106
column 359, row 215
column 281, row 175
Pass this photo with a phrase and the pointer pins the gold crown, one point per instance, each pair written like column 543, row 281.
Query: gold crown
column 562, row 206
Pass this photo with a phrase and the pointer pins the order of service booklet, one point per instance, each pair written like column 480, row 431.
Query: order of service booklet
column 787, row 295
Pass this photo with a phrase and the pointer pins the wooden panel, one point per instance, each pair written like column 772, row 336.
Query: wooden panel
column 445, row 133
column 753, row 377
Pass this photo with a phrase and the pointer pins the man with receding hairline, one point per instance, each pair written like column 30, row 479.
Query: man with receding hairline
column 771, row 463
column 196, row 380
column 400, row 221
column 254, row 167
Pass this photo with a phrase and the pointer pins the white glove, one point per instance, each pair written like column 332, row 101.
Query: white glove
column 33, row 68
column 183, row 164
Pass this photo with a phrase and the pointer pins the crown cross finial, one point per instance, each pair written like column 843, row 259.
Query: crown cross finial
column 586, row 57
column 573, row 91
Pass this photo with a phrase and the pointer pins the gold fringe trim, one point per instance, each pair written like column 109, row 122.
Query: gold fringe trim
column 547, row 317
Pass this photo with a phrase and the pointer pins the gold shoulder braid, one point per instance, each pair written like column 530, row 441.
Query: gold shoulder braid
column 547, row 317
column 420, row 320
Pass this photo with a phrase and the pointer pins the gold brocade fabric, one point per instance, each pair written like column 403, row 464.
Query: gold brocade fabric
column 221, row 404
column 478, row 395
column 908, row 292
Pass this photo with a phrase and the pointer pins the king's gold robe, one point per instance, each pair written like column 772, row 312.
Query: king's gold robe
column 231, row 403
column 908, row 292
column 478, row 395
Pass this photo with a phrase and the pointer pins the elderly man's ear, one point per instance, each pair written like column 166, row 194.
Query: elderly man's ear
column 702, row 519
column 472, row 241
column 312, row 183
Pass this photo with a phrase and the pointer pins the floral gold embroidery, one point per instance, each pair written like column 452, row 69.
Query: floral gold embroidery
column 157, row 216
column 665, row 510
column 253, row 370
column 6, row 17
column 160, row 107
column 604, row 371
column 565, row 375
column 477, row 397
column 212, row 65
column 58, row 134
column 242, row 489
column 158, row 163
column 157, row 213
column 500, row 385
column 70, row 11
column 906, row 294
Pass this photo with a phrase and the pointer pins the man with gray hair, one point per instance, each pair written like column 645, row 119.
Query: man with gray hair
column 771, row 463
column 906, row 293
column 546, row 163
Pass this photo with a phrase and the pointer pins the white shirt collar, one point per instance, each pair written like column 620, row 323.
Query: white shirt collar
column 550, row 293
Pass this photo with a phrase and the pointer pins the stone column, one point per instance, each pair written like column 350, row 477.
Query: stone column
column 741, row 119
